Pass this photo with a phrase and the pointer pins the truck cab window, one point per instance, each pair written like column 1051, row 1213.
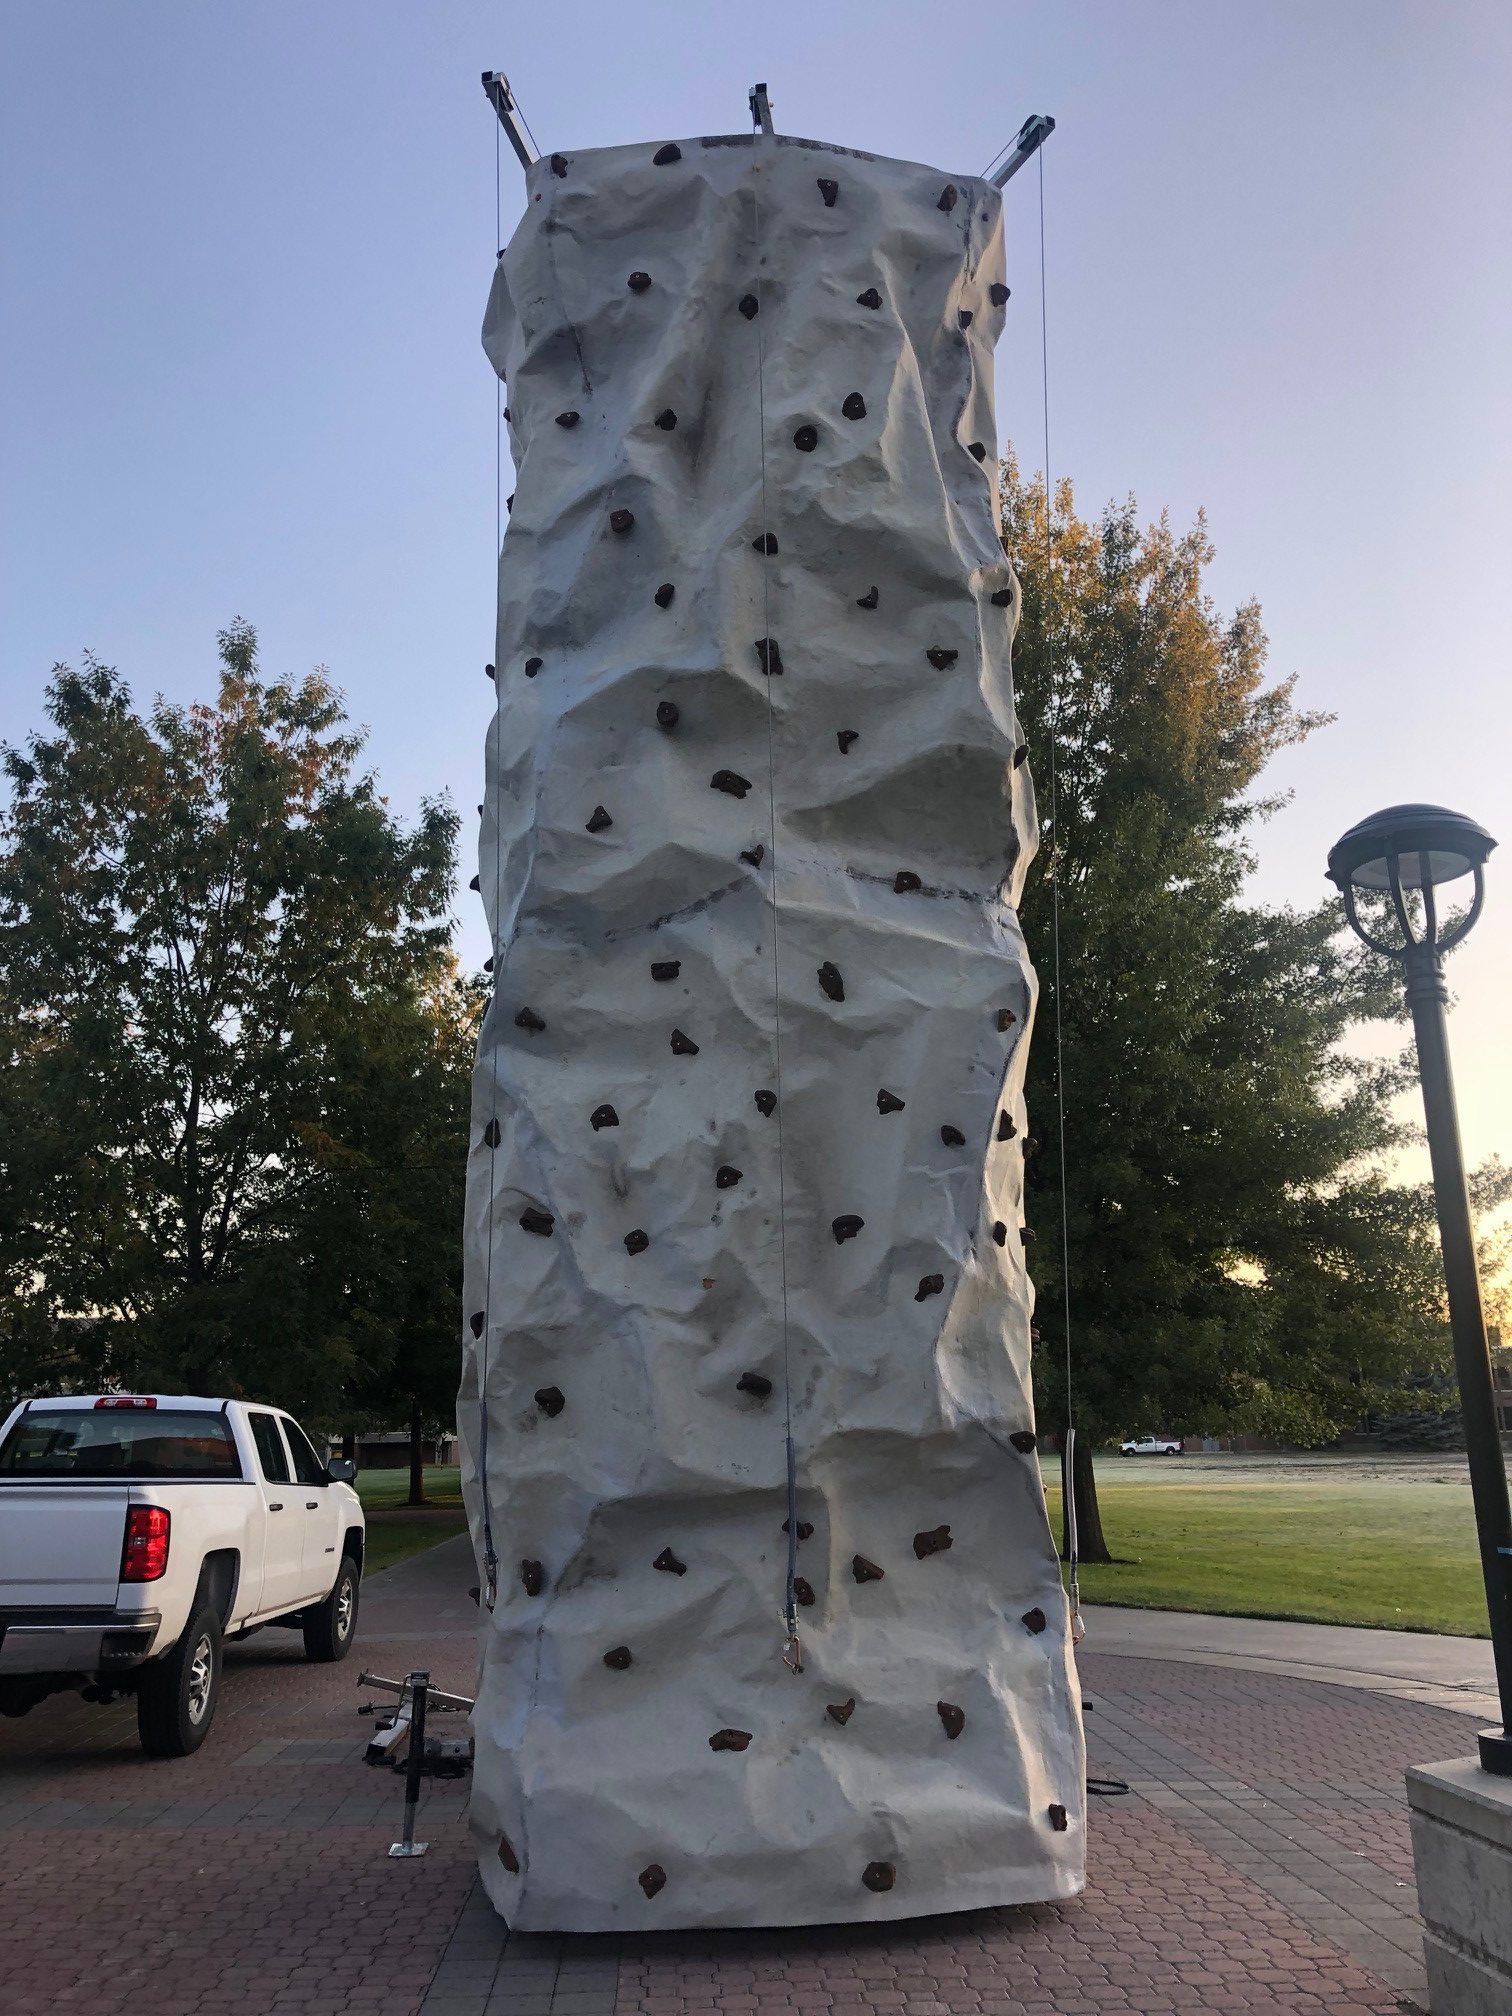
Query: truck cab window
column 270, row 1448
column 308, row 1467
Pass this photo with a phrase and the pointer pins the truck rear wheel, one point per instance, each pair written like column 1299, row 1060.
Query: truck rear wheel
column 176, row 1695
column 330, row 1628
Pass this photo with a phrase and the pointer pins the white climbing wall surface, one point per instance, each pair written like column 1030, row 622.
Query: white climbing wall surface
column 748, row 1130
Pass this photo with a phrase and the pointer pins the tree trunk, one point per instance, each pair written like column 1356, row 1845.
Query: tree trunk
column 349, row 1446
column 417, row 1454
column 1090, row 1543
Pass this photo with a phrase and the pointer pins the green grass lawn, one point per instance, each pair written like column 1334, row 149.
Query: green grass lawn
column 1388, row 1550
column 396, row 1530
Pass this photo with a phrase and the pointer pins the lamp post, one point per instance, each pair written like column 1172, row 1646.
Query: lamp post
column 1422, row 847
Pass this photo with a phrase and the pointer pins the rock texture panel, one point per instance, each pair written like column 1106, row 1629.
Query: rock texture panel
column 748, row 1130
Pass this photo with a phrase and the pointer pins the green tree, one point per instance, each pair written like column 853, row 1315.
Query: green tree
column 218, row 951
column 1238, row 1258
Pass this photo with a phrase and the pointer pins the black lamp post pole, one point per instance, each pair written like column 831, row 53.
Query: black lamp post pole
column 1427, row 997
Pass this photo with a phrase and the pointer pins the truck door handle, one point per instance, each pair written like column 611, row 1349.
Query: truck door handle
column 312, row 1504
column 275, row 1508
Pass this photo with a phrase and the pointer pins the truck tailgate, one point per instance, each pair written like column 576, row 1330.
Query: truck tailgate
column 61, row 1543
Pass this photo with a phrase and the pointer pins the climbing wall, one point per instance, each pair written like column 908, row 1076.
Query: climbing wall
column 748, row 1131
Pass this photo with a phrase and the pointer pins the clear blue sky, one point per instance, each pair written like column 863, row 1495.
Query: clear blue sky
column 246, row 248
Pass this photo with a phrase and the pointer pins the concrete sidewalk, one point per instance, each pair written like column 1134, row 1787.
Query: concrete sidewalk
column 1453, row 1673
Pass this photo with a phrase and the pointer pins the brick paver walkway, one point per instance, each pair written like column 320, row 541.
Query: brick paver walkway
column 1260, row 1863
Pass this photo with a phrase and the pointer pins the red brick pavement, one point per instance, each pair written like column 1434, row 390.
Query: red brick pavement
column 1261, row 1865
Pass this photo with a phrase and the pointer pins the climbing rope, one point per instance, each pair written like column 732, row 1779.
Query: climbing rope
column 792, row 1653
column 1073, row 1548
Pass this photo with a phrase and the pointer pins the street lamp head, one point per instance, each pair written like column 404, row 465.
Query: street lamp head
column 1411, row 847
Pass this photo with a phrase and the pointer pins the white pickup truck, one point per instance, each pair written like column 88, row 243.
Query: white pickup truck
column 137, row 1531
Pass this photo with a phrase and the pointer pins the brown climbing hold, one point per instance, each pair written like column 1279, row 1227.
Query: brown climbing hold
column 638, row 282
column 830, row 981
column 756, row 1384
column 854, row 407
column 598, row 820
column 508, row 1856
column 669, row 1564
column 663, row 596
column 636, row 1242
column 1005, row 1020
column 805, row 1529
column 1034, row 1335
column 489, row 672
column 731, row 782
column 540, row 1222
column 767, row 543
column 663, row 158
column 952, row 1136
column 1026, row 1237
column 929, row 1284
column 1002, row 598
column 621, row 520
column 845, row 737
column 870, row 299
column 1058, row 1818
column 846, row 1227
column 998, row 294
column 879, row 1876
column 488, row 964
column 803, row 1593
column 766, row 1103
column 665, row 969
column 1000, row 1233
column 527, row 1018
column 509, row 504
column 683, row 1046
column 730, row 1739
column 667, row 715
column 936, row 1540
column 864, row 1570
column 840, row 1711
column 666, row 420
column 941, row 657
column 829, row 191
column 551, row 1400
column 492, row 1134
column 749, row 306
column 952, row 1719
column 476, row 1321
column 806, row 438
column 888, row 1102
column 1007, row 1127
column 869, row 600
column 965, row 318
column 568, row 419
column 533, row 1575
column 559, row 164
column 653, row 1877
column 768, row 656
column 1024, row 1440
column 977, row 450
column 726, row 1176
column 1034, row 1620
column 754, row 855
column 905, row 881
column 948, row 197
column 618, row 1657
column 1021, row 756
column 532, row 666
column 475, row 883
column 603, row 1116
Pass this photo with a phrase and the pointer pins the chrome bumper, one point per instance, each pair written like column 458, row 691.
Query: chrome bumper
column 75, row 1641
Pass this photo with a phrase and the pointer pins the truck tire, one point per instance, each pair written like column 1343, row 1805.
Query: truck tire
column 176, row 1695
column 330, row 1628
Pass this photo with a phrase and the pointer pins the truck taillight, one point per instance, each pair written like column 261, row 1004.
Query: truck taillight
column 144, row 1557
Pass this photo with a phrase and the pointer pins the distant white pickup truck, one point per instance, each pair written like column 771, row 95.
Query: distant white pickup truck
column 137, row 1531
